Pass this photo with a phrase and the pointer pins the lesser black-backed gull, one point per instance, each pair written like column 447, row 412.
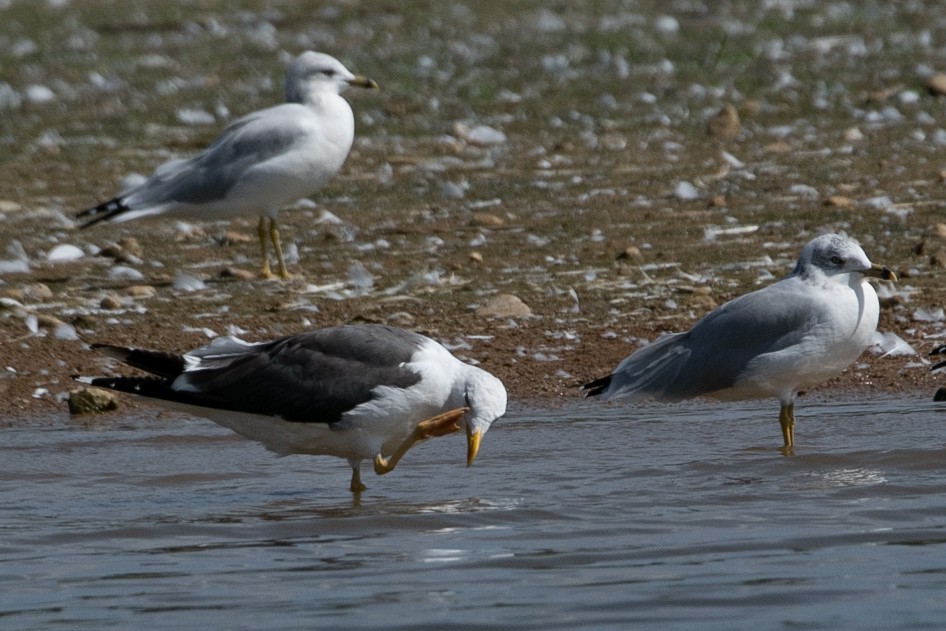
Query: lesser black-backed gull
column 793, row 334
column 259, row 163
column 355, row 392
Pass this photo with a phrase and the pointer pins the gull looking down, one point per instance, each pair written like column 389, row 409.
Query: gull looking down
column 259, row 163
column 793, row 334
column 355, row 391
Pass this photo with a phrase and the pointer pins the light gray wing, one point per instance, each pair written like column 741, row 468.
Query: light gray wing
column 710, row 356
column 209, row 176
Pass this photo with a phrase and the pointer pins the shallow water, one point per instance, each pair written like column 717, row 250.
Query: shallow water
column 677, row 517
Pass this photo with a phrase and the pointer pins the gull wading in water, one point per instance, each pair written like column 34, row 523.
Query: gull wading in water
column 355, row 392
column 259, row 163
column 790, row 335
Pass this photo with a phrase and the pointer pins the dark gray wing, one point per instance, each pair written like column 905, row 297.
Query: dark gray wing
column 711, row 356
column 314, row 377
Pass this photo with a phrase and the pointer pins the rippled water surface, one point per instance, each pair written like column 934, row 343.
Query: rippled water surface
column 676, row 517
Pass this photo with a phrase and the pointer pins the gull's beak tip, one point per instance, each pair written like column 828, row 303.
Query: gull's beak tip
column 473, row 439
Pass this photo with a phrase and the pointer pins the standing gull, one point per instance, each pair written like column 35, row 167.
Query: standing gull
column 260, row 162
column 355, row 392
column 774, row 342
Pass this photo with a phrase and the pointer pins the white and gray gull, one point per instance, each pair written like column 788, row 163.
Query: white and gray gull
column 259, row 163
column 355, row 391
column 791, row 335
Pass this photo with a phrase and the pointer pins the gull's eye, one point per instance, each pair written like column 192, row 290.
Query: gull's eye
column 837, row 260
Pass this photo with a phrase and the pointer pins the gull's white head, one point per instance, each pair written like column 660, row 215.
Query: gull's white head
column 312, row 74
column 486, row 397
column 833, row 254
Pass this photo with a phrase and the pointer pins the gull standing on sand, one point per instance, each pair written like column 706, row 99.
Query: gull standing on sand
column 260, row 162
column 774, row 342
column 355, row 392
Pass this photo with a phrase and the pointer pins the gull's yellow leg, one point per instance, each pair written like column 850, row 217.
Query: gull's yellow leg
column 277, row 246
column 356, row 485
column 261, row 230
column 440, row 425
column 786, row 418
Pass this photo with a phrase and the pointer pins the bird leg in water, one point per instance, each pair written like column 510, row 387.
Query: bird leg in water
column 786, row 418
column 356, row 485
column 440, row 425
column 273, row 234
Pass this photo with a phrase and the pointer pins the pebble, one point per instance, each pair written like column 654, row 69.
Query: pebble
column 937, row 231
column 504, row 306
column 186, row 282
column 7, row 206
column 938, row 258
column 65, row 252
column 488, row 220
column 141, row 291
column 684, row 191
column 37, row 292
column 630, row 253
column 91, row 401
column 936, row 85
column 121, row 272
column 838, row 201
column 119, row 254
column 724, row 125
column 482, row 135
column 238, row 273
column 111, row 302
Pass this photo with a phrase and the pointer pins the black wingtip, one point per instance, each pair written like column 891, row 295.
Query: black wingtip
column 596, row 387
column 103, row 212
column 939, row 350
column 165, row 365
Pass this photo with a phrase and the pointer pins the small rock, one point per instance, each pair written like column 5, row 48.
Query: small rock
column 838, row 201
column 938, row 258
column 121, row 272
column 476, row 257
column 7, row 206
column 479, row 135
column 186, row 282
column 91, row 401
column 46, row 321
column 65, row 252
column 937, row 231
column 111, row 302
column 488, row 220
column 504, row 306
column 141, row 291
column 779, row 146
column 37, row 292
column 238, row 273
column 724, row 125
column 853, row 134
column 131, row 246
column 115, row 252
column 231, row 237
column 936, row 85
column 684, row 191
column 630, row 253
column 718, row 201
